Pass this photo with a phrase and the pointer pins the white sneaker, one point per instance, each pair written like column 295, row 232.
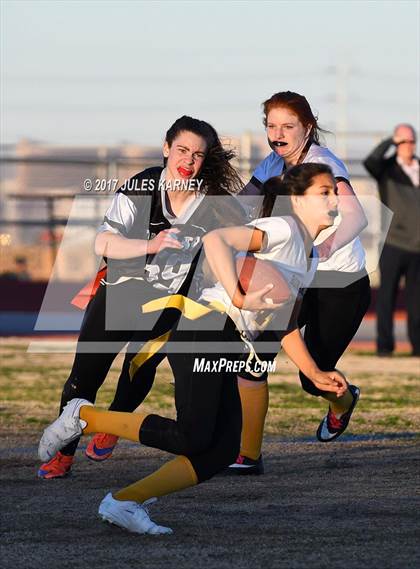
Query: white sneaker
column 65, row 429
column 130, row 515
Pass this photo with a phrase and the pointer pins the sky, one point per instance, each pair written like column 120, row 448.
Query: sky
column 105, row 72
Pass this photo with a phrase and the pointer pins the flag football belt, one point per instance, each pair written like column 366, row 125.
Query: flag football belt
column 191, row 310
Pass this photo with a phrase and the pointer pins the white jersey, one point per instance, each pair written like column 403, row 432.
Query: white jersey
column 143, row 215
column 286, row 249
column 349, row 258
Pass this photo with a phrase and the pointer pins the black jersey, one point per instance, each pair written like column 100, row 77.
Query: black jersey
column 140, row 210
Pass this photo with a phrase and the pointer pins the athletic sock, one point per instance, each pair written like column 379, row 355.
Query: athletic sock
column 339, row 405
column 124, row 425
column 173, row 476
column 254, row 400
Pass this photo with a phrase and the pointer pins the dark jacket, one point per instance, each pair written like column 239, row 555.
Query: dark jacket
column 399, row 194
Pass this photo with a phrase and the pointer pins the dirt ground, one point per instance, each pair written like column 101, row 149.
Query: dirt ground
column 346, row 505
column 351, row 504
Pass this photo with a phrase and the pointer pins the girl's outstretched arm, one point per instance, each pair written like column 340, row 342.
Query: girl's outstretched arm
column 296, row 349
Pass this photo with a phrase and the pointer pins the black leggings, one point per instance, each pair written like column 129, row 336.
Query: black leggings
column 208, row 426
column 332, row 317
column 394, row 263
column 91, row 363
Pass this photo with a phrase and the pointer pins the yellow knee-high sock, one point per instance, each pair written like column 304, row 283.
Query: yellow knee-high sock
column 173, row 476
column 124, row 425
column 254, row 400
column 339, row 405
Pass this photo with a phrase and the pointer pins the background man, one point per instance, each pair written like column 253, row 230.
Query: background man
column 398, row 184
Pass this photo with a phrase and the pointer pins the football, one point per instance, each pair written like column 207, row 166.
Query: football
column 254, row 274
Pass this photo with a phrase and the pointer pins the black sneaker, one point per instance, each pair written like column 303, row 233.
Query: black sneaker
column 244, row 465
column 330, row 427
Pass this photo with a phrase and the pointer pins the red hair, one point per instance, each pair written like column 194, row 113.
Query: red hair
column 296, row 104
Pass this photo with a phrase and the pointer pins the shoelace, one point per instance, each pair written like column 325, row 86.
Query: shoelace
column 147, row 503
column 72, row 424
column 142, row 509
column 333, row 421
column 62, row 457
column 59, row 459
column 102, row 439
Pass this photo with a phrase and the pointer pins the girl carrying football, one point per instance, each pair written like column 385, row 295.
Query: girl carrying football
column 151, row 236
column 206, row 433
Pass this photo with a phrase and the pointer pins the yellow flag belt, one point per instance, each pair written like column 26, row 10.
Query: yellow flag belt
column 189, row 308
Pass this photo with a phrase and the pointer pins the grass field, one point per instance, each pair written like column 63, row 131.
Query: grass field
column 31, row 387
column 352, row 504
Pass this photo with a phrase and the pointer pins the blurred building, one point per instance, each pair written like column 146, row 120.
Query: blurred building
column 42, row 185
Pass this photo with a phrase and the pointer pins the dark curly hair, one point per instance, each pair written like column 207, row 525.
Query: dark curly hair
column 217, row 173
column 294, row 182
